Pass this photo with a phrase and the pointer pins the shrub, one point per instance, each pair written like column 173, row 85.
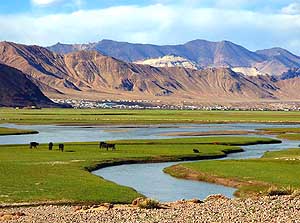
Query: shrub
column 275, row 191
column 148, row 204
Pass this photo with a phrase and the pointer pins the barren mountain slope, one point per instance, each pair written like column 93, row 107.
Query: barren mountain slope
column 17, row 90
column 289, row 89
column 277, row 61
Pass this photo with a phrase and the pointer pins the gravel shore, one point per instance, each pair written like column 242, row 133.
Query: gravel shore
column 215, row 208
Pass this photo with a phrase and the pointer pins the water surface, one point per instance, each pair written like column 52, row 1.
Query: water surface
column 55, row 133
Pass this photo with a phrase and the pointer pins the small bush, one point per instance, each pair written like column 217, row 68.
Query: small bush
column 275, row 191
column 148, row 204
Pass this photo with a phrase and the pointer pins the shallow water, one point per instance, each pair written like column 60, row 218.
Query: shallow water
column 149, row 179
column 55, row 133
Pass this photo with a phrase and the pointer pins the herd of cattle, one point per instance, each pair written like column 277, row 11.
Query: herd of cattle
column 61, row 146
column 102, row 145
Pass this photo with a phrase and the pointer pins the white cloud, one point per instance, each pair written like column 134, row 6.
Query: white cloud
column 44, row 2
column 159, row 24
column 292, row 9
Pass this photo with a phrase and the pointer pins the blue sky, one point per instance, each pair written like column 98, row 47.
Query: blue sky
column 255, row 24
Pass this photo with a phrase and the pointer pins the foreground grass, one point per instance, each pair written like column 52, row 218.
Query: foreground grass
column 254, row 176
column 35, row 175
column 98, row 116
column 12, row 131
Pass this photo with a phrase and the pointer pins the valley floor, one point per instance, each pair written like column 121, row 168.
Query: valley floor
column 214, row 209
column 38, row 175
column 141, row 117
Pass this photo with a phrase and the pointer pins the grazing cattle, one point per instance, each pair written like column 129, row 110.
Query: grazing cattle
column 61, row 147
column 102, row 145
column 50, row 146
column 196, row 150
column 112, row 146
column 33, row 145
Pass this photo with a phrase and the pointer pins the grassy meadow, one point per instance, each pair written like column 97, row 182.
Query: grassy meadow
column 110, row 116
column 279, row 169
column 40, row 175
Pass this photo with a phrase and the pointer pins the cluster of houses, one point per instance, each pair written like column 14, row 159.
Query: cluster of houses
column 145, row 104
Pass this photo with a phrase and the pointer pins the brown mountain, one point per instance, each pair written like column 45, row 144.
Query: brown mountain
column 91, row 75
column 17, row 90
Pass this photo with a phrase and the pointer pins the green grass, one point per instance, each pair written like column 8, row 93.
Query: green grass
column 102, row 116
column 12, row 131
column 252, row 176
column 35, row 175
column 283, row 133
column 289, row 136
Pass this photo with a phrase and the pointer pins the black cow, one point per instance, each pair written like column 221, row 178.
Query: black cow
column 61, row 147
column 102, row 145
column 195, row 150
column 33, row 145
column 112, row 146
column 50, row 146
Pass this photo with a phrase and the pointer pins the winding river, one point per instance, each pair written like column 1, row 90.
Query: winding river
column 149, row 179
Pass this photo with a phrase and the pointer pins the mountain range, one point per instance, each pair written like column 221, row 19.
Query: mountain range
column 106, row 70
column 204, row 53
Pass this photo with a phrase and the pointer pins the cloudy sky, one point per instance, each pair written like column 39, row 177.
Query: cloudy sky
column 255, row 24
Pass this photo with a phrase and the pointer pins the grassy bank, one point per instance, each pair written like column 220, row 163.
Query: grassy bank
column 252, row 177
column 12, row 131
column 283, row 133
column 289, row 136
column 35, row 175
column 98, row 116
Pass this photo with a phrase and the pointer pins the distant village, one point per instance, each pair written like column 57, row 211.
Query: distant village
column 145, row 104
